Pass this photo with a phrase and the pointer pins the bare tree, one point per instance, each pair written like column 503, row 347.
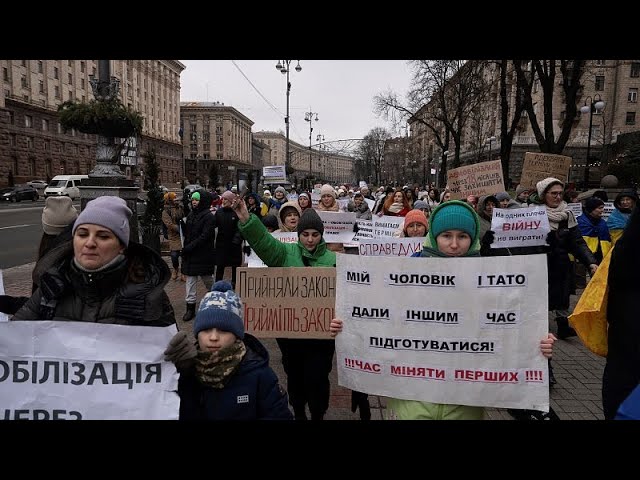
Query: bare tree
column 544, row 71
column 370, row 153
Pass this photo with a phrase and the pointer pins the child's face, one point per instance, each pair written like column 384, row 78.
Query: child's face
column 454, row 243
column 212, row 340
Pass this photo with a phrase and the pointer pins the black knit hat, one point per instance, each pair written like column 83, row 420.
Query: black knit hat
column 270, row 221
column 592, row 203
column 310, row 220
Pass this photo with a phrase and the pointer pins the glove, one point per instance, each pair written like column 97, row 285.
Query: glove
column 485, row 243
column 361, row 400
column 10, row 305
column 355, row 227
column 181, row 351
column 552, row 239
column 247, row 250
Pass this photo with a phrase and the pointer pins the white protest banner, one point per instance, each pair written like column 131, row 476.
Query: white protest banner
column 371, row 203
column 292, row 197
column 343, row 204
column 576, row 208
column 520, row 227
column 289, row 302
column 3, row 316
column 391, row 247
column 538, row 166
column 274, row 174
column 386, row 225
column 315, row 199
column 365, row 230
column 463, row 331
column 609, row 207
column 478, row 179
column 338, row 226
column 86, row 371
column 254, row 261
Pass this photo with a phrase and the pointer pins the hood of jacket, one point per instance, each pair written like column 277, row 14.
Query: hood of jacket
column 257, row 355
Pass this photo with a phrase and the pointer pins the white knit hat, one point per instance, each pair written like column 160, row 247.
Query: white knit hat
column 57, row 214
column 545, row 184
column 327, row 190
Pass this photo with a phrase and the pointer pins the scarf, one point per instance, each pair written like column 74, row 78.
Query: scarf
column 395, row 207
column 214, row 369
column 560, row 214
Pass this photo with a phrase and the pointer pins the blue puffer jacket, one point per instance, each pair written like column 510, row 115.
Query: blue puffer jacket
column 253, row 393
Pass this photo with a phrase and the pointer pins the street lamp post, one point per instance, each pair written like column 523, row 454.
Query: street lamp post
column 284, row 67
column 490, row 141
column 320, row 139
column 308, row 117
column 596, row 105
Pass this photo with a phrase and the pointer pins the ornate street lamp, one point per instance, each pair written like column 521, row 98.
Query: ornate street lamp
column 596, row 105
column 284, row 67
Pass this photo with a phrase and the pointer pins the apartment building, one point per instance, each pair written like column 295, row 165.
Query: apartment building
column 614, row 82
column 32, row 142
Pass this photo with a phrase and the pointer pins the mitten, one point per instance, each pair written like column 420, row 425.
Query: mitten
column 355, row 227
column 181, row 351
column 247, row 250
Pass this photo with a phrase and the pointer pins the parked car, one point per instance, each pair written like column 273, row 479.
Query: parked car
column 38, row 184
column 19, row 193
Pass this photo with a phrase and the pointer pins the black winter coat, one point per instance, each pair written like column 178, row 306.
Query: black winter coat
column 198, row 252
column 622, row 371
column 252, row 393
column 229, row 241
column 110, row 296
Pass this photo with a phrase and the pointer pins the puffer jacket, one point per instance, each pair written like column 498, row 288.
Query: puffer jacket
column 110, row 296
column 252, row 393
column 277, row 254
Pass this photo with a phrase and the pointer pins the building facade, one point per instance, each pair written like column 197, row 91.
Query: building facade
column 32, row 142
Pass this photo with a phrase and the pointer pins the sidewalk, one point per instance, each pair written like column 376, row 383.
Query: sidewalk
column 576, row 396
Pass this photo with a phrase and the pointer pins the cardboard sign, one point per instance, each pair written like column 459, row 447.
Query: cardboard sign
column 538, row 166
column 479, row 179
column 288, row 302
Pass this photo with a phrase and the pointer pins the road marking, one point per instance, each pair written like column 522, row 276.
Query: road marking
column 18, row 226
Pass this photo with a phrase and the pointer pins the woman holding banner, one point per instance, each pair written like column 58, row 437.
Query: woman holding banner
column 453, row 232
column 307, row 362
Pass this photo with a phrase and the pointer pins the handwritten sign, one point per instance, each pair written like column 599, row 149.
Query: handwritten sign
column 479, row 179
column 338, row 226
column 288, row 302
column 538, row 166
column 520, row 227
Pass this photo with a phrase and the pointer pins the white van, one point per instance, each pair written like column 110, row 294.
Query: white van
column 65, row 185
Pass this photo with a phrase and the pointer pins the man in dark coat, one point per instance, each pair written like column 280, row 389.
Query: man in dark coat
column 229, row 241
column 198, row 252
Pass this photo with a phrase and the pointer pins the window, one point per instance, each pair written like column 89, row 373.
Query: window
column 12, row 118
column 5, row 74
column 600, row 63
column 23, row 81
column 82, row 84
column 70, row 76
column 47, row 145
column 28, row 121
column 45, row 125
column 599, row 83
column 56, row 91
column 82, row 67
column 70, row 63
column 55, row 73
column 631, row 118
column 41, row 83
column 30, row 142
column 59, row 128
column 70, row 95
column 633, row 95
column 635, row 69
column 12, row 140
column 24, row 63
column 40, row 66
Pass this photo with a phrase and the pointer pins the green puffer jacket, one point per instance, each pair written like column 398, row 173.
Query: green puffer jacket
column 277, row 254
column 398, row 409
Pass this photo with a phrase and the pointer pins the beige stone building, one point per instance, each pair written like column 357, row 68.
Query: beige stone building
column 215, row 134
column 323, row 165
column 32, row 143
column 615, row 82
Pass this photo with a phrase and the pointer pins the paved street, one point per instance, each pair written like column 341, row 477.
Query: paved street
column 576, row 396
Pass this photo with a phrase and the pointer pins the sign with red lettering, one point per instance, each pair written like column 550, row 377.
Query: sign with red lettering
column 287, row 302
column 520, row 227
column 478, row 179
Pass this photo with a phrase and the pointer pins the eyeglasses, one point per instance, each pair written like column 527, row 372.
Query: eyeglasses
column 555, row 194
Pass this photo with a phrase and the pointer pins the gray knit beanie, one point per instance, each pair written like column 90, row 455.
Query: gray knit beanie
column 310, row 220
column 107, row 211
column 57, row 214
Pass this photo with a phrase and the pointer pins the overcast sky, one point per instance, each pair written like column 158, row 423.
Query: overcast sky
column 340, row 91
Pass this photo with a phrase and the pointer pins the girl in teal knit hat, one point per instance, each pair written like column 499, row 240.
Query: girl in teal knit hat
column 454, row 231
